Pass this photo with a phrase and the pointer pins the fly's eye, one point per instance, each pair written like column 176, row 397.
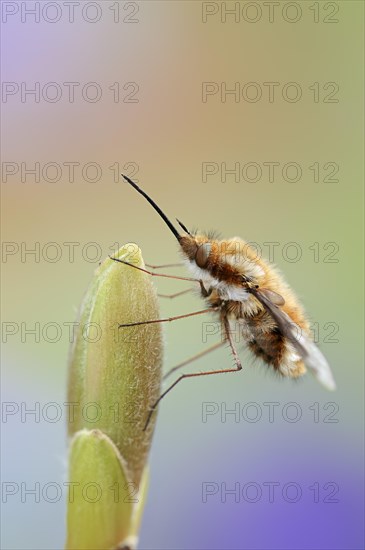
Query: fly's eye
column 202, row 254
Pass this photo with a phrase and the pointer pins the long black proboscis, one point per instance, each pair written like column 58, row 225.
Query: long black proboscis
column 152, row 203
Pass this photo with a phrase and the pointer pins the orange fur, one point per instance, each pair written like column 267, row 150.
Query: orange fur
column 230, row 261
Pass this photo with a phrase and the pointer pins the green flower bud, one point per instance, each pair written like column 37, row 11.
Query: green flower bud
column 100, row 506
column 114, row 378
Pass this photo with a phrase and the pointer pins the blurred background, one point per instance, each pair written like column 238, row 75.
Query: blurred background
column 143, row 88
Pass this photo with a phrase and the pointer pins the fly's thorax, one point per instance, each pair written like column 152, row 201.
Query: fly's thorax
column 224, row 265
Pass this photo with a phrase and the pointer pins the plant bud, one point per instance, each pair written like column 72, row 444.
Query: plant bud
column 114, row 379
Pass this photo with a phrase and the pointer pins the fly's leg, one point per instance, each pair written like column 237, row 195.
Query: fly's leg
column 237, row 368
column 176, row 294
column 194, row 358
column 169, row 319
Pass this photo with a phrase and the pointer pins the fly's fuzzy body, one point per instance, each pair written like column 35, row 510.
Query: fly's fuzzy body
column 228, row 269
column 246, row 290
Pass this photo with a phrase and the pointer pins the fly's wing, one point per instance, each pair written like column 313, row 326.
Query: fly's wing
column 308, row 351
column 272, row 296
column 288, row 329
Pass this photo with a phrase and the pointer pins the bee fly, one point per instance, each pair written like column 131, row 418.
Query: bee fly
column 242, row 288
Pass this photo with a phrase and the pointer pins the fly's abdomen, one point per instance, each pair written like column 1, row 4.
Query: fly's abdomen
column 266, row 342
